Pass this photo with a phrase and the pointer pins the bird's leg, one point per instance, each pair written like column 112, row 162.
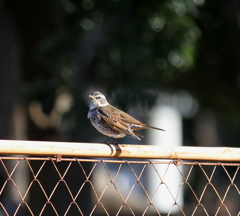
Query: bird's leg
column 106, row 141
column 114, row 142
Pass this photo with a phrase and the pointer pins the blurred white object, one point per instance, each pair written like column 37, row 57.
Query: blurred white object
column 169, row 118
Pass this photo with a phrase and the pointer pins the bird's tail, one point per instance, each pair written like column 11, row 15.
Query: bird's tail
column 138, row 134
column 144, row 126
column 135, row 135
column 148, row 126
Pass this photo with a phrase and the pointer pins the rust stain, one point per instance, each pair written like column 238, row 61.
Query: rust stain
column 173, row 155
column 227, row 151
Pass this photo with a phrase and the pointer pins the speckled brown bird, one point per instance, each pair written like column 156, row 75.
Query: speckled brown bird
column 112, row 121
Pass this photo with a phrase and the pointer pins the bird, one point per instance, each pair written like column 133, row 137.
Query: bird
column 112, row 121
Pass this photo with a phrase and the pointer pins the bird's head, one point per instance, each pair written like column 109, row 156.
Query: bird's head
column 97, row 99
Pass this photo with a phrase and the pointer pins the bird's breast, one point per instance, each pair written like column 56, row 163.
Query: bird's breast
column 93, row 114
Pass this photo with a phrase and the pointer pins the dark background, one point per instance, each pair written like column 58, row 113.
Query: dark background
column 53, row 54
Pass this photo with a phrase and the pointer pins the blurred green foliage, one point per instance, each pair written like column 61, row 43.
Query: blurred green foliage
column 127, row 47
column 131, row 50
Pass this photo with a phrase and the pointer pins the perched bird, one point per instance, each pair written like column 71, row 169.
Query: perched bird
column 112, row 121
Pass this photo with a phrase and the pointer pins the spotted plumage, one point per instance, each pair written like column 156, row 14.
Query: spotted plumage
column 112, row 121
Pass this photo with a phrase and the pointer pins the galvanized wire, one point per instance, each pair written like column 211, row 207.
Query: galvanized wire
column 199, row 181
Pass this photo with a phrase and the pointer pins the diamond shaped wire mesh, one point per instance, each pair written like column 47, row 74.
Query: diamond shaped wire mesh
column 42, row 186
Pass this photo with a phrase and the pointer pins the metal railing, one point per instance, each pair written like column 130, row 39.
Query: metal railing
column 191, row 183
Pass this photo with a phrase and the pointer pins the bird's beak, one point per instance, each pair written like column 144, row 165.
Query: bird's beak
column 91, row 96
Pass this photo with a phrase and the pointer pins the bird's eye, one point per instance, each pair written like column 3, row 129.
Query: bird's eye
column 98, row 98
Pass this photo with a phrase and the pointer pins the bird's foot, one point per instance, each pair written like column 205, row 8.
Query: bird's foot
column 113, row 143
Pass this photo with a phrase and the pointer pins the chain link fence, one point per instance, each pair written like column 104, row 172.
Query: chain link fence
column 82, row 186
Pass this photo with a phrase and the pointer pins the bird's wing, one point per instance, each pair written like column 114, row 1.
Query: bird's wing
column 133, row 123
column 124, row 117
column 128, row 120
column 121, row 120
column 111, row 121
